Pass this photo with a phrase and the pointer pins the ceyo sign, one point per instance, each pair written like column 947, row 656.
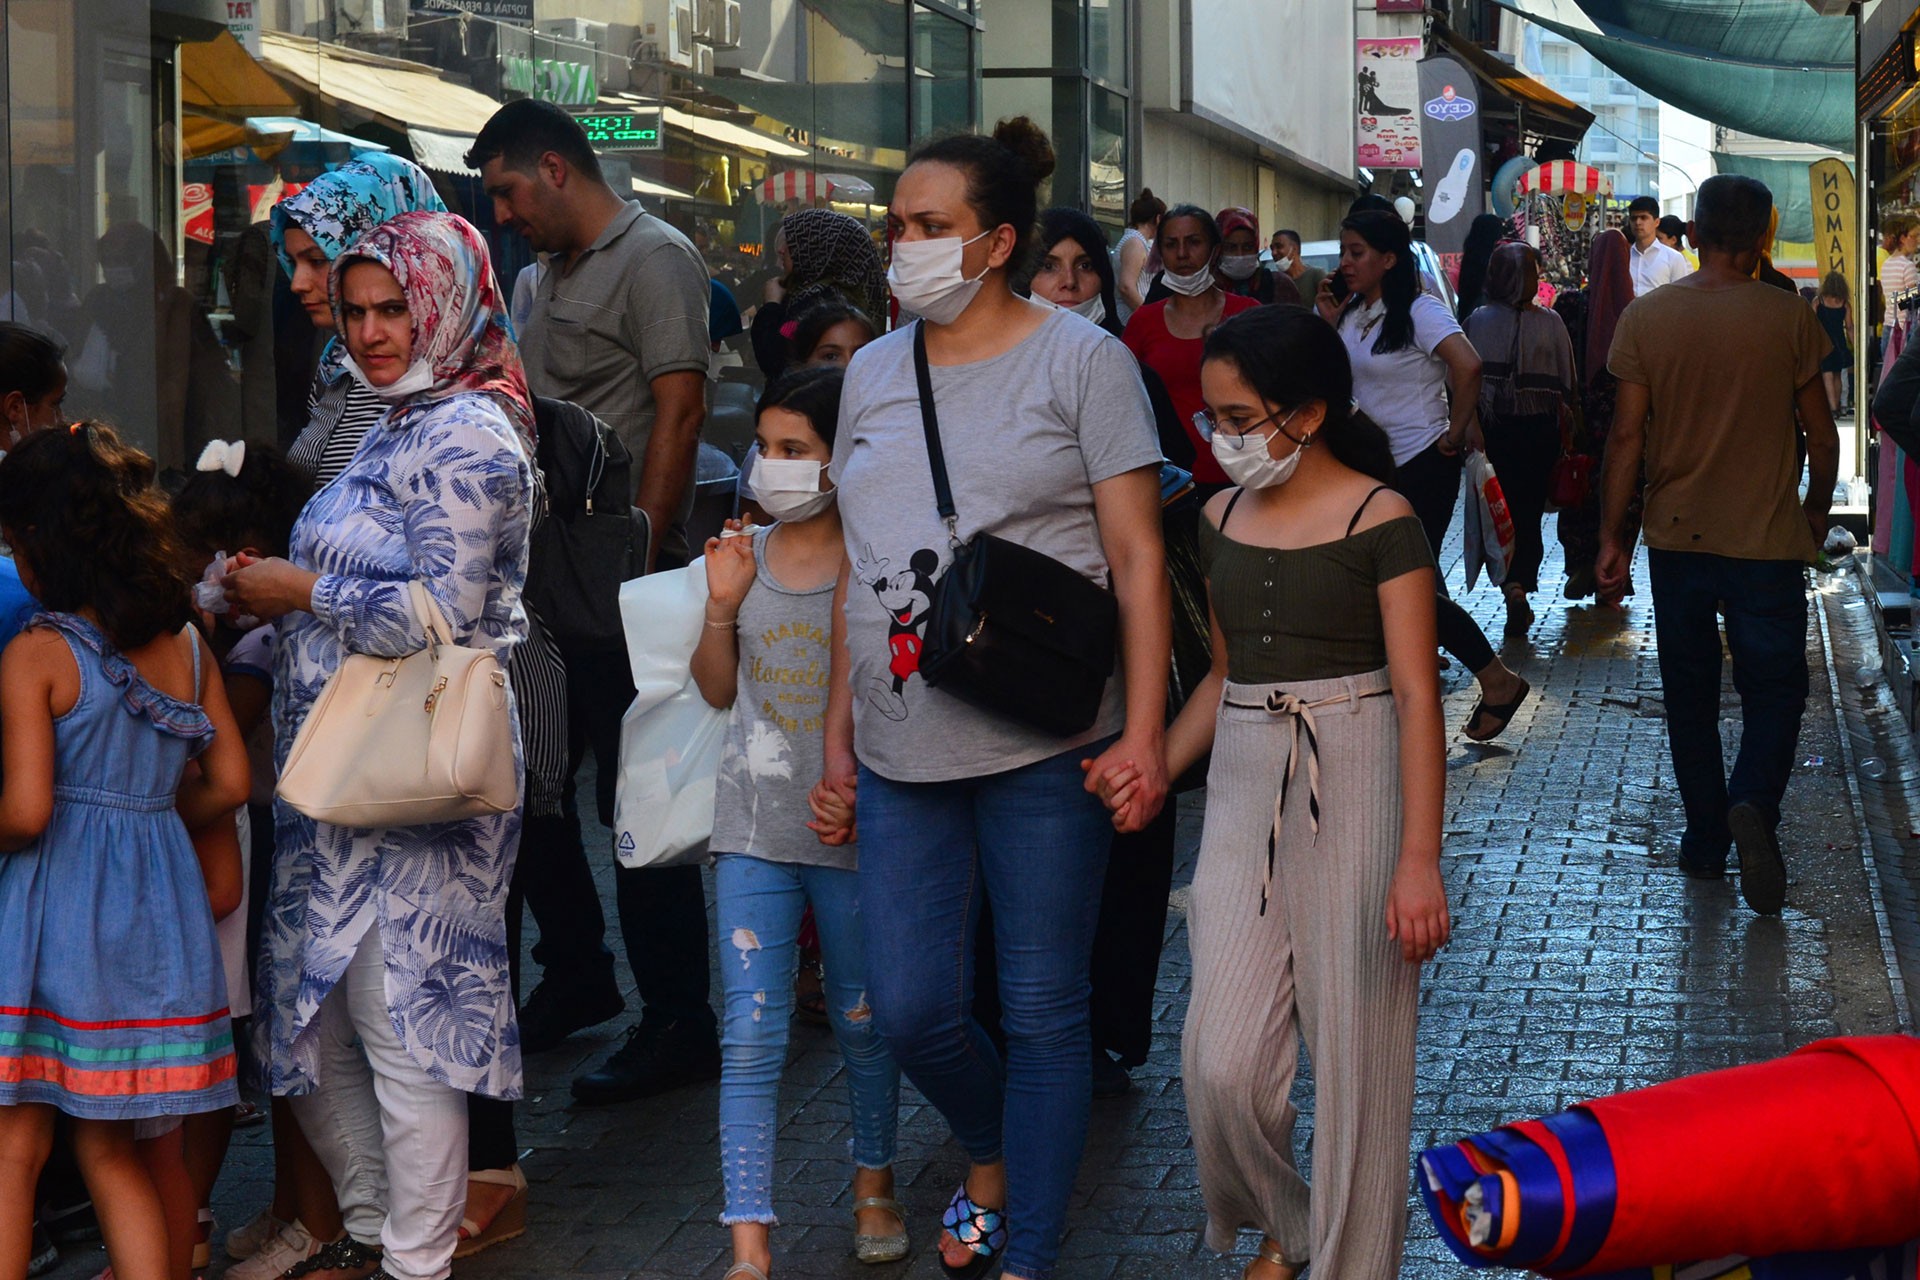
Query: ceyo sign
column 1450, row 106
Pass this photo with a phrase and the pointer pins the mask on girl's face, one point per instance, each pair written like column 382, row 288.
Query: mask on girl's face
column 1248, row 464
column 1189, row 286
column 789, row 488
column 1094, row 308
column 926, row 278
column 1239, row 266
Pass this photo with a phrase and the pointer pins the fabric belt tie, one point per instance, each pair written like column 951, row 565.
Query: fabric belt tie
column 1300, row 718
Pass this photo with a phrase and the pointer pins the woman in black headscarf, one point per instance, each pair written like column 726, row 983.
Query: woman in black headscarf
column 832, row 255
column 1482, row 236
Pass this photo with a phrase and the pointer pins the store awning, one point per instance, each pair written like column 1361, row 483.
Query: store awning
column 202, row 136
column 1547, row 113
column 219, row 78
column 660, row 190
column 1774, row 68
column 1788, row 180
column 724, row 133
column 398, row 94
column 441, row 152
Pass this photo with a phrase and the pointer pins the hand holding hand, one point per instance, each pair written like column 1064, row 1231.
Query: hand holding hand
column 1131, row 777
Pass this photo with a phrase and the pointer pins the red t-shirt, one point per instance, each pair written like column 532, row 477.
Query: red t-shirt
column 1177, row 361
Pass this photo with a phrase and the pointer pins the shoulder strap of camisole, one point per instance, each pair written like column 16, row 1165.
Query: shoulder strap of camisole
column 1362, row 508
column 193, row 640
column 1228, row 513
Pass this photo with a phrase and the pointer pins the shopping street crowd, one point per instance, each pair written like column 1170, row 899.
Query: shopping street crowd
column 1003, row 580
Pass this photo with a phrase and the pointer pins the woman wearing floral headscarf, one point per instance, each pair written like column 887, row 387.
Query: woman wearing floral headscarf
column 831, row 254
column 386, row 951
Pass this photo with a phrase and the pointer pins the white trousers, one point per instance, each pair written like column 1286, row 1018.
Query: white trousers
column 393, row 1139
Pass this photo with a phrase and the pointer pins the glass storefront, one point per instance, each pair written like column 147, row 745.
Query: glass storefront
column 145, row 140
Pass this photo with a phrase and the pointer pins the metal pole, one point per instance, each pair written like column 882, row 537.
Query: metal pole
column 1863, row 271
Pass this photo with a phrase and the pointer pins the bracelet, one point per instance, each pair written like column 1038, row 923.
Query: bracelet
column 724, row 626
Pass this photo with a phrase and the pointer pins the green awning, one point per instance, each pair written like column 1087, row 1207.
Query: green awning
column 1787, row 179
column 1776, row 68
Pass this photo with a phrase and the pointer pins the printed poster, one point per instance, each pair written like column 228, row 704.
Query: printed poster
column 1387, row 96
column 1456, row 182
column 1833, row 216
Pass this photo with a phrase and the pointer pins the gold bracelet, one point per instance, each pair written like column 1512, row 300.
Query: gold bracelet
column 724, row 626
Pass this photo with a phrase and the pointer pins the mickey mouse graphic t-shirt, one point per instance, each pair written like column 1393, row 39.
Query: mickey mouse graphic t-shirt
column 1027, row 434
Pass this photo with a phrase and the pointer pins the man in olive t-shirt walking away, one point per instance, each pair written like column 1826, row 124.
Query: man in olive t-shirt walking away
column 1712, row 368
column 618, row 326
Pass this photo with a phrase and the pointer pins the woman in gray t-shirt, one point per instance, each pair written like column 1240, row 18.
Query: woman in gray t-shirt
column 1050, row 443
column 765, row 654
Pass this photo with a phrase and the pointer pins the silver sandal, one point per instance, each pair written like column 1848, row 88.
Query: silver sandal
column 746, row 1269
column 875, row 1250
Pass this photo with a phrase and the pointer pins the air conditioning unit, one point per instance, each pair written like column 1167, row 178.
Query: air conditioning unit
column 705, row 13
column 578, row 30
column 728, row 33
column 665, row 29
column 703, row 60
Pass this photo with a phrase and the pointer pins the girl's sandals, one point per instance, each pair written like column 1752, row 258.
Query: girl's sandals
column 744, row 1271
column 982, row 1231
column 876, row 1249
column 1270, row 1254
column 1501, row 713
column 510, row 1222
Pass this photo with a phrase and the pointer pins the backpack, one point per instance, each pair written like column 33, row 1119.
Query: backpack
column 593, row 538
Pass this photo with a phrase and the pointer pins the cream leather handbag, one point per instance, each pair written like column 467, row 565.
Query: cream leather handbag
column 402, row 742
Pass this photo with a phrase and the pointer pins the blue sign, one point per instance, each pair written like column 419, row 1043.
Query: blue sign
column 1450, row 106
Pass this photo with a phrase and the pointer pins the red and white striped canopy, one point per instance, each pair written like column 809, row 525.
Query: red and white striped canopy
column 1562, row 176
column 805, row 185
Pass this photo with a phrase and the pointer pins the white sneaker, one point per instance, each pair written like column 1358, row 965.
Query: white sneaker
column 293, row 1245
column 245, row 1241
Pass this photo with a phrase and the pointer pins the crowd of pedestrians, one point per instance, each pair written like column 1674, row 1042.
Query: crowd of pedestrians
column 1256, row 462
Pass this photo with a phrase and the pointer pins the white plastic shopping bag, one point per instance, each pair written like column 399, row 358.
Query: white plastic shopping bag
column 1489, row 531
column 670, row 739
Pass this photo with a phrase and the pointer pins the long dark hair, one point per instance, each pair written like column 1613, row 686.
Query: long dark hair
column 1291, row 357
column 81, row 509
column 1004, row 173
column 1061, row 223
column 1383, row 230
column 30, row 361
column 1482, row 236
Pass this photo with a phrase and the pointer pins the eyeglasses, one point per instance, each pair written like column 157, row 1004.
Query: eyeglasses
column 1208, row 427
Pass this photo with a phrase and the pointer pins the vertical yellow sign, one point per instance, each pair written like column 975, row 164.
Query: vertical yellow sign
column 1833, row 217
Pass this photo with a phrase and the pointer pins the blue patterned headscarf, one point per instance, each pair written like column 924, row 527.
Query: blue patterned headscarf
column 342, row 204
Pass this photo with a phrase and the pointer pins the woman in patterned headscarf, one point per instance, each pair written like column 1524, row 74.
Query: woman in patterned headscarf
column 832, row 254
column 385, row 956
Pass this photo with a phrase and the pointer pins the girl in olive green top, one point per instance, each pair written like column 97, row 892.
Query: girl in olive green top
column 1318, row 891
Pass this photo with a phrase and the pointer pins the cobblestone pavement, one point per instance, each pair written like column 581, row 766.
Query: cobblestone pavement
column 1582, row 963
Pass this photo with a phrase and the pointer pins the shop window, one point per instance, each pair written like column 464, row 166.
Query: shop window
column 942, row 74
column 1107, row 41
column 1107, row 159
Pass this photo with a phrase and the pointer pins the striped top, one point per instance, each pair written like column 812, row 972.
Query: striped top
column 339, row 415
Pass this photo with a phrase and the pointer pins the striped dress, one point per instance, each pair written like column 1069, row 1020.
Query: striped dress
column 113, row 1002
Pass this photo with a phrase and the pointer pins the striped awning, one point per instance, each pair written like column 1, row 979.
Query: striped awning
column 805, row 185
column 1562, row 176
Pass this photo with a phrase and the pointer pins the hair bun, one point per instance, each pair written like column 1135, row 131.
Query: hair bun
column 1146, row 193
column 1027, row 140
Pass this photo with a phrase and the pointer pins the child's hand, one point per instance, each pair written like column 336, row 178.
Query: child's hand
column 730, row 569
column 1118, row 787
column 833, row 814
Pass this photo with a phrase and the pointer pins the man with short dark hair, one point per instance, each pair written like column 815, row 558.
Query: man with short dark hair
column 1721, row 362
column 1654, row 263
column 617, row 325
column 1286, row 261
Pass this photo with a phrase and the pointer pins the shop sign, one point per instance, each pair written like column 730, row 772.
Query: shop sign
column 1456, row 180
column 1834, row 212
column 517, row 12
column 196, row 211
column 1387, row 97
column 622, row 130
column 243, row 20
column 571, row 84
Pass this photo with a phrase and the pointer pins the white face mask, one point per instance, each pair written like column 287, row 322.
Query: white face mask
column 417, row 378
column 1189, row 286
column 926, row 278
column 1248, row 464
column 1283, row 264
column 1094, row 308
column 789, row 488
column 1239, row 266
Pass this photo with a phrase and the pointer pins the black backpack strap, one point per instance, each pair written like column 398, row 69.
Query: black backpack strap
column 936, row 458
column 1228, row 513
column 1362, row 508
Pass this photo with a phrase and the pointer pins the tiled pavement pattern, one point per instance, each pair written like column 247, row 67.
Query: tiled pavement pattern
column 1581, row 964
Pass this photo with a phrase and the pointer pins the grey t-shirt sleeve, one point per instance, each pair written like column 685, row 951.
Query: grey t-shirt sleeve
column 1117, row 434
column 666, row 311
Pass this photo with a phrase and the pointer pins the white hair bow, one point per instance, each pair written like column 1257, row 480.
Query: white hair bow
column 223, row 455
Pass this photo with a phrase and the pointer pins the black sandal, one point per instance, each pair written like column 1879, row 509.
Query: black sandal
column 982, row 1231
column 1502, row 713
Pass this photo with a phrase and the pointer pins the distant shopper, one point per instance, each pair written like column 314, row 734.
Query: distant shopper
column 618, row 326
column 1834, row 306
column 1288, row 262
column 1726, row 530
column 1672, row 232
column 1239, row 267
column 830, row 257
column 1654, row 263
column 1898, row 275
column 1133, row 265
column 1482, row 236
column 1592, row 314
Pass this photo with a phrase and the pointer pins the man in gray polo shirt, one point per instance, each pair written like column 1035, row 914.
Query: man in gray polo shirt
column 618, row 325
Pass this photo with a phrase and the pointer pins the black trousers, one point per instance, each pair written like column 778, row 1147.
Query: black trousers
column 1430, row 481
column 1523, row 450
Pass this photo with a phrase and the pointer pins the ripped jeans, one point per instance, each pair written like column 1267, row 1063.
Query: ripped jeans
column 759, row 905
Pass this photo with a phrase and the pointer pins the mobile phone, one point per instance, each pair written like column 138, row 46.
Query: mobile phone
column 1338, row 287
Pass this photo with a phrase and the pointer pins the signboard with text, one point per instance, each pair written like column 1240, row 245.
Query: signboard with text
column 243, row 20
column 517, row 12
column 1834, row 212
column 1456, row 179
column 1386, row 96
column 637, row 130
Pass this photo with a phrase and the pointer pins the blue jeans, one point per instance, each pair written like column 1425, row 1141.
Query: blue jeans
column 759, row 905
column 1765, row 603
column 1036, row 844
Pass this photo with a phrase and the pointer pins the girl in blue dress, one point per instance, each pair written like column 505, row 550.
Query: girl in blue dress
column 112, row 998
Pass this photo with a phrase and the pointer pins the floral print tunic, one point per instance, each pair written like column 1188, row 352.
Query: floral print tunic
column 440, row 492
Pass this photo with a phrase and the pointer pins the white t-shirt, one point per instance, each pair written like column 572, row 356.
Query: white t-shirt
column 1655, row 265
column 1405, row 391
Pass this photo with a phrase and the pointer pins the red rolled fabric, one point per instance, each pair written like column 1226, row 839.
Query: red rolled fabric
column 1819, row 1150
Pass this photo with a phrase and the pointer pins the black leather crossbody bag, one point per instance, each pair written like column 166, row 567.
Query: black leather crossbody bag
column 1011, row 630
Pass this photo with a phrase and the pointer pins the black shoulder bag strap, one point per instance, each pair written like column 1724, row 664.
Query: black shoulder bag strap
column 936, row 457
